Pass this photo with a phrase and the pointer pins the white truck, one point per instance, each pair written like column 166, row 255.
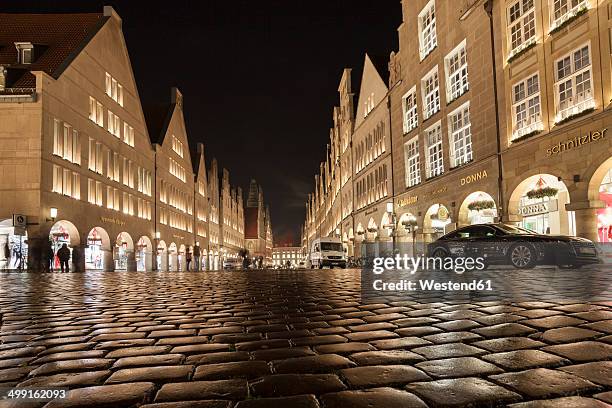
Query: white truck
column 327, row 251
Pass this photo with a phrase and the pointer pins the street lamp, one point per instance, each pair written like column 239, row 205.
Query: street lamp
column 157, row 235
column 338, row 232
column 52, row 214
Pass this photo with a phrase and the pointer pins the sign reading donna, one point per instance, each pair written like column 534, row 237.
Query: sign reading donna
column 577, row 141
column 472, row 178
column 538, row 208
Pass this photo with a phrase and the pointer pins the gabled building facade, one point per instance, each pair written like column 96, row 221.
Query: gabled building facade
column 76, row 140
column 82, row 166
column 371, row 145
column 174, row 183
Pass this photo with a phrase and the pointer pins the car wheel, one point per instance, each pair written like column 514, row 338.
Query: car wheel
column 320, row 265
column 439, row 253
column 522, row 256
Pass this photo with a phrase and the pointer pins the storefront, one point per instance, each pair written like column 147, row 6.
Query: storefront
column 142, row 253
column 161, row 256
column 604, row 215
column 437, row 222
column 94, row 255
column 123, row 248
column 478, row 208
column 172, row 257
column 59, row 236
column 13, row 246
column 542, row 206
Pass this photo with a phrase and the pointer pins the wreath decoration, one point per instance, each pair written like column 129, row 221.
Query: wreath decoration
column 481, row 205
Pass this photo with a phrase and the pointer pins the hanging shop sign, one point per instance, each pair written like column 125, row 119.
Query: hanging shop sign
column 19, row 220
column 472, row 178
column 538, row 208
column 577, row 141
column 442, row 213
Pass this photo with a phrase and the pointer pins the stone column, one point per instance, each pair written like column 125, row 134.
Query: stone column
column 77, row 261
column 131, row 260
column 148, row 261
column 35, row 253
column 586, row 217
column 108, row 263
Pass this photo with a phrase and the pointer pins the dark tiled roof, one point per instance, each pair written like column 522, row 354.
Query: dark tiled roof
column 251, row 214
column 158, row 118
column 58, row 37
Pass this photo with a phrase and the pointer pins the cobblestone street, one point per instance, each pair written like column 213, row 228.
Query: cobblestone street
column 301, row 339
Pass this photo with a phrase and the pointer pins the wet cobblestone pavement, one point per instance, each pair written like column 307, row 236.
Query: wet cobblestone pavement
column 297, row 339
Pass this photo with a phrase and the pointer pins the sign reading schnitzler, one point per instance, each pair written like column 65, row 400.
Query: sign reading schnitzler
column 577, row 141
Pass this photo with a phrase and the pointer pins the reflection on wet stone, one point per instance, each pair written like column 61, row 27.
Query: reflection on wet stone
column 307, row 338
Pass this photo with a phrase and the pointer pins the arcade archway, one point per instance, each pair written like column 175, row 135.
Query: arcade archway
column 477, row 208
column 144, row 254
column 436, row 223
column 63, row 232
column 162, row 256
column 539, row 202
column 172, row 257
column 98, row 253
column 124, row 253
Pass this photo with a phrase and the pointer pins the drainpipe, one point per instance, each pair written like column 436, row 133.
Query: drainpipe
column 500, row 181
column 154, row 264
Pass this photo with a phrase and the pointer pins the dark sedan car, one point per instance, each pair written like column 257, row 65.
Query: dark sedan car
column 503, row 244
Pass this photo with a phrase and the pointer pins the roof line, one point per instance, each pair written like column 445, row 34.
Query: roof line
column 164, row 129
column 77, row 50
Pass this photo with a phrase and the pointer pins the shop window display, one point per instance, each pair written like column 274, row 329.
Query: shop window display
column 542, row 207
column 604, row 215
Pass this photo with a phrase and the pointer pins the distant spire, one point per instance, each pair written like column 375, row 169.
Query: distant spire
column 253, row 198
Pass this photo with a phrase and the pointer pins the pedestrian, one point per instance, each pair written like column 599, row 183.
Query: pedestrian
column 188, row 256
column 47, row 258
column 64, row 256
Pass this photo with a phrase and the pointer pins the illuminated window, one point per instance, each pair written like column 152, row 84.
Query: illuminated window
column 409, row 108
column 435, row 158
column 412, row 162
column 427, row 29
column 563, row 10
column 66, row 182
column 456, row 72
column 114, row 89
column 526, row 113
column 128, row 134
column 574, row 85
column 177, row 146
column 460, row 135
column 177, row 170
column 114, row 124
column 521, row 26
column 431, row 93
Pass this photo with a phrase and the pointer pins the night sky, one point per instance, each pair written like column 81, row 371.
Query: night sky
column 259, row 78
